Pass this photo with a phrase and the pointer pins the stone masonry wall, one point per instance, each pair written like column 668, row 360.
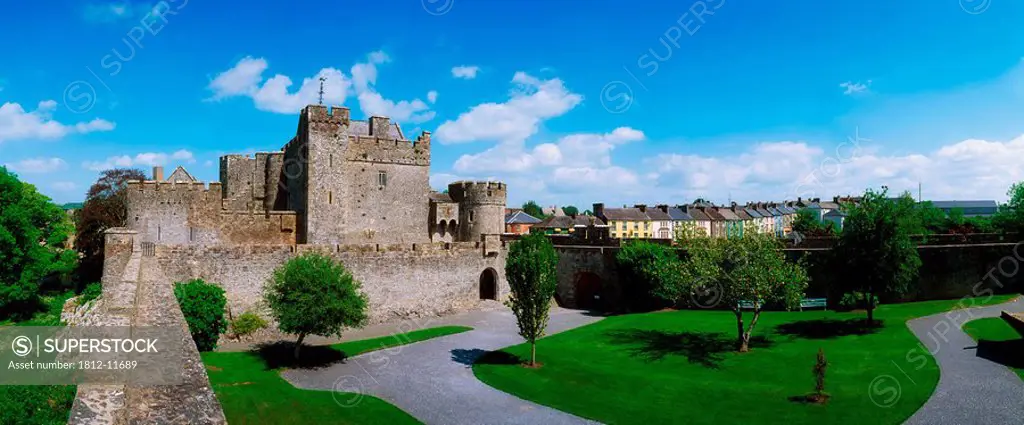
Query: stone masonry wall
column 402, row 281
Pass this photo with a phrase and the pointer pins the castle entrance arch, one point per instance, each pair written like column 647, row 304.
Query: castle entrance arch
column 588, row 291
column 489, row 285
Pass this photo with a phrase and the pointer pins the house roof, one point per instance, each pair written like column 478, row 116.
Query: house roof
column 181, row 175
column 813, row 205
column 776, row 211
column 835, row 213
column 698, row 214
column 713, row 214
column 552, row 211
column 752, row 212
column 678, row 214
column 631, row 214
column 763, row 212
column 829, row 205
column 742, row 214
column 519, row 217
column 565, row 222
column 945, row 205
column 658, row 214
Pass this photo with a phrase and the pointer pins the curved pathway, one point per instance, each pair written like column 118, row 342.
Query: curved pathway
column 433, row 380
column 971, row 389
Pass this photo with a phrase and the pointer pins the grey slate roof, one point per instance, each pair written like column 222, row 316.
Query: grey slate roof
column 776, row 212
column 658, row 215
column 362, row 128
column 519, row 217
column 752, row 212
column 968, row 207
column 835, row 213
column 633, row 214
column 697, row 214
column 677, row 214
column 565, row 222
column 742, row 214
column 828, row 205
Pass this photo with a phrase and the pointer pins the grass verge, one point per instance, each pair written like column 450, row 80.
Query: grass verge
column 251, row 390
column 681, row 367
column 998, row 341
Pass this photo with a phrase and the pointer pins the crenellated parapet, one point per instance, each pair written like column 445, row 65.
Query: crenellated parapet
column 384, row 150
column 478, row 193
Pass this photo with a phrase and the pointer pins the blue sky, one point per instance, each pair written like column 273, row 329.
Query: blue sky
column 570, row 102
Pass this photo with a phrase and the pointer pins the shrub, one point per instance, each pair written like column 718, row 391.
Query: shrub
column 855, row 300
column 247, row 323
column 203, row 306
column 653, row 275
column 35, row 404
column 91, row 292
column 313, row 294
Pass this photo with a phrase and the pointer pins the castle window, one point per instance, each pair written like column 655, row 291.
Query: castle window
column 382, row 178
column 471, row 216
column 330, row 160
column 330, row 197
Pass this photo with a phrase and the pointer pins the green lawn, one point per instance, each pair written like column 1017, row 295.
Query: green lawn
column 680, row 367
column 998, row 341
column 251, row 390
column 38, row 404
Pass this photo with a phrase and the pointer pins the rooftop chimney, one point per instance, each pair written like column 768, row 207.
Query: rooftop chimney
column 663, row 208
column 641, row 207
column 379, row 126
column 599, row 210
column 158, row 174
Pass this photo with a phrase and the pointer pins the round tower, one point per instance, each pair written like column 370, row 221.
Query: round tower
column 481, row 208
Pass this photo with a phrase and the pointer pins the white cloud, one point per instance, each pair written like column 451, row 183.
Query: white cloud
column 37, row 165
column 64, row 186
column 467, row 72
column 515, row 120
column 148, row 159
column 18, row 124
column 575, row 150
column 851, row 88
column 431, row 96
column 245, row 79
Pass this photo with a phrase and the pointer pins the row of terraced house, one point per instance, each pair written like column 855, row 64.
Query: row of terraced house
column 699, row 219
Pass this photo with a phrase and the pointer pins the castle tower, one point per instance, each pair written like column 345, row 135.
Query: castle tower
column 481, row 208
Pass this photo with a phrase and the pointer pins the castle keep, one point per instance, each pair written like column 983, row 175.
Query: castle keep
column 337, row 181
column 356, row 190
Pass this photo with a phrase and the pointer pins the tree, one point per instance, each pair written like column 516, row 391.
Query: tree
column 531, row 273
column 202, row 304
column 652, row 271
column 750, row 269
column 105, row 207
column 313, row 294
column 1010, row 217
column 808, row 223
column 570, row 210
column 33, row 232
column 927, row 219
column 531, row 208
column 819, row 376
column 874, row 254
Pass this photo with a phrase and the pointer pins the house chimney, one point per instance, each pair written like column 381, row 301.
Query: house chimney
column 379, row 126
column 641, row 207
column 599, row 210
column 158, row 173
column 663, row 208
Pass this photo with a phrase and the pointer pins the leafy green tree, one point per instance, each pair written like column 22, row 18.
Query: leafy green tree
column 532, row 277
column 875, row 254
column 105, row 207
column 571, row 210
column 202, row 304
column 653, row 273
column 313, row 294
column 33, row 233
column 750, row 269
column 807, row 223
column 927, row 219
column 1010, row 217
column 531, row 208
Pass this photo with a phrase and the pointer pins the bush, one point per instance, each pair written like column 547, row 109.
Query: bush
column 91, row 292
column 203, row 306
column 36, row 404
column 652, row 272
column 247, row 323
column 854, row 301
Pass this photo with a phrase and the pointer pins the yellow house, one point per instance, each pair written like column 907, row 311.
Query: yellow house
column 626, row 223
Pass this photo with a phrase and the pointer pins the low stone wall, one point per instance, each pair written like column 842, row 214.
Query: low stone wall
column 402, row 281
column 1016, row 320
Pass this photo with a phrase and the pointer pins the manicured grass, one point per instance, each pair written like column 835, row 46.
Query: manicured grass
column 998, row 341
column 680, row 367
column 38, row 404
column 251, row 390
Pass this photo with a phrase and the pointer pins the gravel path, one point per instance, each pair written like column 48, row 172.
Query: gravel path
column 971, row 390
column 433, row 380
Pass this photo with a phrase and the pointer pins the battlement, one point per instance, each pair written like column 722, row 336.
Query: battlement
column 321, row 113
column 395, row 151
column 168, row 188
column 478, row 192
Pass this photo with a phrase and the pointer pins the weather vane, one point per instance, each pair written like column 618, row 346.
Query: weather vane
column 322, row 79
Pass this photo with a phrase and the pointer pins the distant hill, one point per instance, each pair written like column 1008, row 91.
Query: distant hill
column 72, row 206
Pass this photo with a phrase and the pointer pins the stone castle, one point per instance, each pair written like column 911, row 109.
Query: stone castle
column 356, row 190
column 337, row 181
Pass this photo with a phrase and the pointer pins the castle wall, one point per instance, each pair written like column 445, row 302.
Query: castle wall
column 237, row 174
column 395, row 212
column 481, row 208
column 322, row 134
column 274, row 183
column 401, row 281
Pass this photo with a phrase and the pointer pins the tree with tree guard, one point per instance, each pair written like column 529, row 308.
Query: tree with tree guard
column 313, row 294
column 750, row 269
column 874, row 254
column 530, row 270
